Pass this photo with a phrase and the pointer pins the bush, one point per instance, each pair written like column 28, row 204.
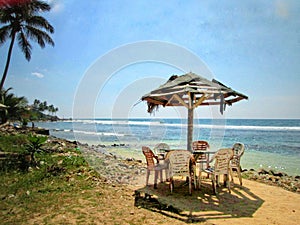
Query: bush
column 34, row 145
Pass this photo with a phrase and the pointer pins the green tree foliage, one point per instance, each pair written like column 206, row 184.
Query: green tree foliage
column 22, row 22
column 17, row 109
column 36, row 104
column 16, row 106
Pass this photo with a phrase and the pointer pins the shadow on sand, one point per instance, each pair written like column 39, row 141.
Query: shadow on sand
column 201, row 205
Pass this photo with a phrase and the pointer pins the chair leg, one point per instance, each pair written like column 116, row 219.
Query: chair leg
column 207, row 166
column 155, row 178
column 171, row 184
column 228, row 182
column 231, row 174
column 199, row 179
column 213, row 180
column 225, row 179
column 190, row 185
column 147, row 177
column 194, row 177
column 217, row 180
column 200, row 174
column 240, row 175
column 166, row 172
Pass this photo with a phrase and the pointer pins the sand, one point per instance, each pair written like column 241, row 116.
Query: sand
column 252, row 203
column 278, row 206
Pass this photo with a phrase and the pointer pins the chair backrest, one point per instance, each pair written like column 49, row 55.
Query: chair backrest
column 149, row 155
column 161, row 148
column 200, row 146
column 222, row 159
column 179, row 163
column 238, row 151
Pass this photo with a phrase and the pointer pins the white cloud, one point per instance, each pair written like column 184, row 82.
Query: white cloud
column 56, row 5
column 38, row 75
column 282, row 9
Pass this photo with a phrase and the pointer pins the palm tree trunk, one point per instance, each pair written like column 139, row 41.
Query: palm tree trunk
column 8, row 60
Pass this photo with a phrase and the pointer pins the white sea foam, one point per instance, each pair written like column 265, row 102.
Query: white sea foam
column 267, row 128
column 120, row 122
column 205, row 126
column 99, row 133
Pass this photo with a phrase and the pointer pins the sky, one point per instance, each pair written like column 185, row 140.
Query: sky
column 108, row 54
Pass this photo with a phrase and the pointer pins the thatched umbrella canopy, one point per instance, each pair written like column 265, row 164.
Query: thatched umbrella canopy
column 190, row 90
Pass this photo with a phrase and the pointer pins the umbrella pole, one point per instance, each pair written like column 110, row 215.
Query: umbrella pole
column 190, row 129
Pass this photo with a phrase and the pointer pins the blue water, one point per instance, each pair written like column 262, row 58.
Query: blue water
column 270, row 144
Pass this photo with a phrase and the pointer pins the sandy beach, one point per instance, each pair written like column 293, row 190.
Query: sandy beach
column 252, row 203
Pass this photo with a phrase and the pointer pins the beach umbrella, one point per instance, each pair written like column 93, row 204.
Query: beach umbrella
column 191, row 90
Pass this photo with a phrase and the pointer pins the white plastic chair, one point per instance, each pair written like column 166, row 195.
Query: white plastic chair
column 161, row 149
column 180, row 164
column 221, row 167
column 238, row 151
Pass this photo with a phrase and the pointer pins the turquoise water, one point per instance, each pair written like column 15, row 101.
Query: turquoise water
column 270, row 144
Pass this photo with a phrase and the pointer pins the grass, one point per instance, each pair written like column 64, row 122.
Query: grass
column 56, row 180
column 13, row 143
column 64, row 189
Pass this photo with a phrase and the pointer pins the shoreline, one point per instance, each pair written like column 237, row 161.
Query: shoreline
column 109, row 189
column 252, row 159
column 270, row 177
column 276, row 149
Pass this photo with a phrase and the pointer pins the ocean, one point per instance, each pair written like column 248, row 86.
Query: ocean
column 269, row 143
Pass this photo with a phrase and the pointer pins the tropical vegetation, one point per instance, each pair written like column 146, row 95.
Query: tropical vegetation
column 55, row 180
column 14, row 106
column 22, row 22
column 35, row 144
column 17, row 109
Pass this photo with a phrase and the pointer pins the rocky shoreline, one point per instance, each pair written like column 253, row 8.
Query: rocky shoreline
column 129, row 171
column 117, row 169
column 113, row 168
column 126, row 170
column 280, row 179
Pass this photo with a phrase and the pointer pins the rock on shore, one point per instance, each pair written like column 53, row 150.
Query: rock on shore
column 9, row 129
column 113, row 168
column 290, row 183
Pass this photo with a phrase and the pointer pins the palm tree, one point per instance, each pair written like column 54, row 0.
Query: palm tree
column 43, row 106
column 56, row 110
column 36, row 104
column 16, row 106
column 51, row 109
column 22, row 22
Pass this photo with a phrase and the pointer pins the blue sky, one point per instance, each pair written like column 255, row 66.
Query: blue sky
column 251, row 46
